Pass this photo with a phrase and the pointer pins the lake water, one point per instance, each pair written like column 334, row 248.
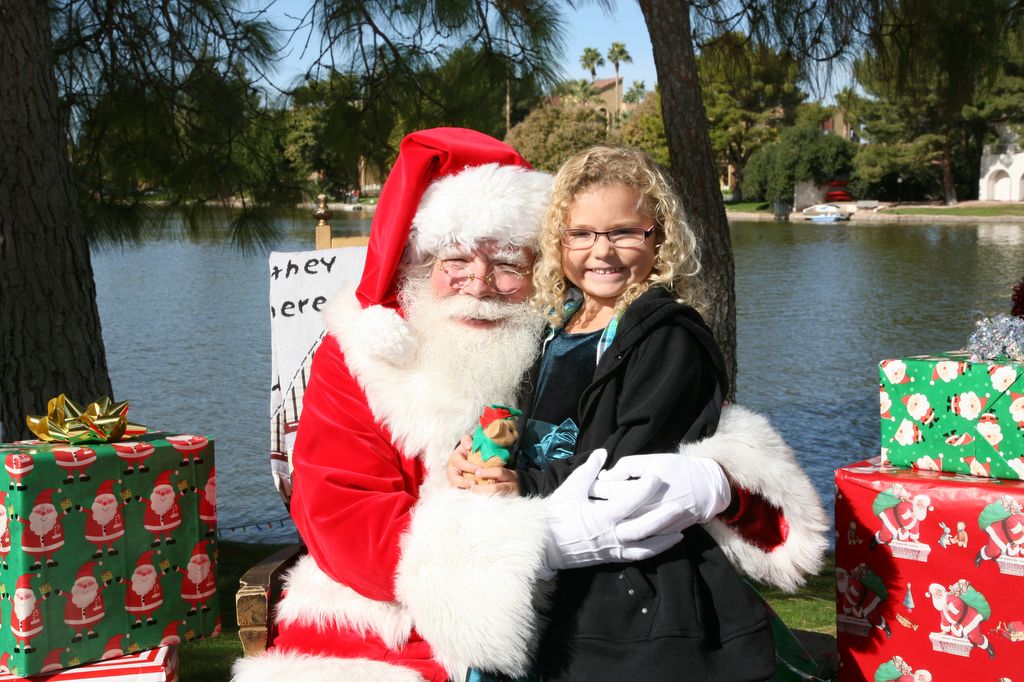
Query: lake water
column 187, row 328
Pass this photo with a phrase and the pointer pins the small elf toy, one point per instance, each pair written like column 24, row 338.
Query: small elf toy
column 492, row 439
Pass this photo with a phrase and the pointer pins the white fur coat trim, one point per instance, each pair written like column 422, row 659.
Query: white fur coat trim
column 468, row 577
column 495, row 202
column 380, row 351
column 754, row 456
column 274, row 666
column 315, row 599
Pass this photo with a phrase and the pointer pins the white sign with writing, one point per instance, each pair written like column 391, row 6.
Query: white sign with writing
column 300, row 285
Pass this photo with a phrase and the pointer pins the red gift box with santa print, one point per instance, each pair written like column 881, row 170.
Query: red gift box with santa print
column 154, row 665
column 105, row 546
column 929, row 574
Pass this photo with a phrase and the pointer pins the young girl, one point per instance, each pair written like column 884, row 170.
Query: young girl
column 630, row 366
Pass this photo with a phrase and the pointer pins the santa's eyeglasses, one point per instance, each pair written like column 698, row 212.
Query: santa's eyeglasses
column 503, row 278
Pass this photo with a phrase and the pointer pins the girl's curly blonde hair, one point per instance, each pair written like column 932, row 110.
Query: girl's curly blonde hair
column 676, row 262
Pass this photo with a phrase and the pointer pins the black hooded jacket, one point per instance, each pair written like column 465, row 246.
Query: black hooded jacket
column 685, row 614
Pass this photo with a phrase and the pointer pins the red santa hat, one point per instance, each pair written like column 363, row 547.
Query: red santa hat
column 145, row 559
column 106, row 488
column 493, row 413
column 199, row 549
column 85, row 571
column 172, row 628
column 449, row 186
column 24, row 582
column 113, row 647
column 52, row 661
column 44, row 497
column 163, row 479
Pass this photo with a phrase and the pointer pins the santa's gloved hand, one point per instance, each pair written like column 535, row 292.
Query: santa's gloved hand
column 696, row 486
column 584, row 531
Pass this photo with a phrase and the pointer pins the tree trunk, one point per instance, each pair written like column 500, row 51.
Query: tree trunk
column 50, row 338
column 693, row 165
column 948, row 186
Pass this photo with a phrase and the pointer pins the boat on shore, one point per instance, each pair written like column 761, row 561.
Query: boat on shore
column 825, row 213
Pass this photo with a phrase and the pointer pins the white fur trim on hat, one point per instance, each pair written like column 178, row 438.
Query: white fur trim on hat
column 491, row 202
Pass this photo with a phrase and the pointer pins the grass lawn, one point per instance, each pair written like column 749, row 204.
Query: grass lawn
column 209, row 660
column 980, row 211
column 748, row 206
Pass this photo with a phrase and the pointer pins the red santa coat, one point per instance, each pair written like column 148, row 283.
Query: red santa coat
column 201, row 591
column 899, row 523
column 5, row 540
column 161, row 523
column 1005, row 537
column 28, row 628
column 77, row 617
column 207, row 511
column 105, row 532
column 143, row 604
column 47, row 543
column 386, row 533
column 961, row 620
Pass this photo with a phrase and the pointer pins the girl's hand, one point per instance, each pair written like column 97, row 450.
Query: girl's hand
column 506, row 482
column 458, row 463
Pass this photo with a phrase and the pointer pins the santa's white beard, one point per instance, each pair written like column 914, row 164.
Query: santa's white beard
column 41, row 525
column 103, row 514
column 24, row 607
column 142, row 584
column 197, row 572
column 482, row 364
column 161, row 503
column 83, row 597
column 211, row 494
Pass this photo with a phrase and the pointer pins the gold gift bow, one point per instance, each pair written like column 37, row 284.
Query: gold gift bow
column 102, row 421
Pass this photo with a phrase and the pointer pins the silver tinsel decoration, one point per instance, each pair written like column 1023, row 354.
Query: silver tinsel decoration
column 999, row 336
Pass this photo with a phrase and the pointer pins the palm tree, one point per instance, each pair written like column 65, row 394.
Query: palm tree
column 590, row 60
column 616, row 55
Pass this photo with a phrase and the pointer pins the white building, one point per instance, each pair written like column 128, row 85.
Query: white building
column 1002, row 169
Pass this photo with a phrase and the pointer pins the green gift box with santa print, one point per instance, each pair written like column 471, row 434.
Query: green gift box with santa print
column 105, row 548
column 946, row 412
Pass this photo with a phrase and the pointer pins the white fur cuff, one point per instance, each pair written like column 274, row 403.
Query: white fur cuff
column 315, row 599
column 274, row 666
column 755, row 457
column 467, row 574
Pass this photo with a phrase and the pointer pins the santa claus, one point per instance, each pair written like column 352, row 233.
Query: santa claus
column 967, row 405
column 84, row 608
column 1003, row 376
column 962, row 610
column 895, row 371
column 104, row 523
column 407, row 366
column 134, row 454
column 74, row 460
column 988, row 427
column 208, row 505
column 43, row 534
column 18, row 465
column 189, row 446
column 26, row 616
column 947, row 370
column 163, row 512
column 919, row 408
column 199, row 582
column 1003, row 522
column 862, row 593
column 900, row 514
column 5, row 530
column 144, row 595
column 898, row 670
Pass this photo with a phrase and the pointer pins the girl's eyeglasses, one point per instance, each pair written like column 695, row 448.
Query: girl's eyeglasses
column 577, row 238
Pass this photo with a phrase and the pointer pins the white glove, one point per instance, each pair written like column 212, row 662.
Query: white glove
column 696, row 486
column 584, row 531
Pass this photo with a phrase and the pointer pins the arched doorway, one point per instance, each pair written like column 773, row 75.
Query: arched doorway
column 999, row 186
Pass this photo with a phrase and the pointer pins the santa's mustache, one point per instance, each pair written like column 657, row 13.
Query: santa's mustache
column 476, row 308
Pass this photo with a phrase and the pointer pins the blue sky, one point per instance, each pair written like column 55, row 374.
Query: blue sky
column 585, row 27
